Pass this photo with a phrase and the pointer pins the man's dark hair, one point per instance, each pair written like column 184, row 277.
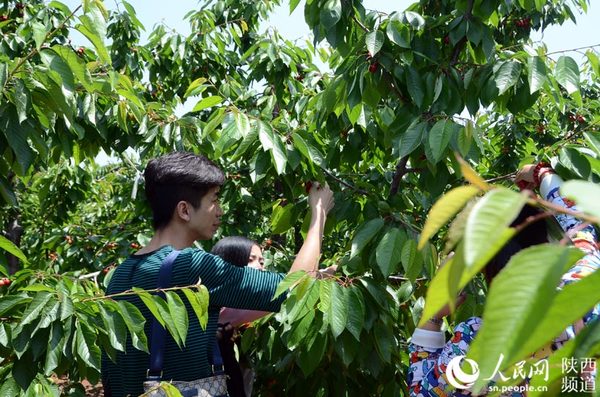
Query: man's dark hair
column 234, row 249
column 533, row 234
column 175, row 177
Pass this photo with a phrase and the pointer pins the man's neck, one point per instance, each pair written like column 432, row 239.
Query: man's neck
column 176, row 237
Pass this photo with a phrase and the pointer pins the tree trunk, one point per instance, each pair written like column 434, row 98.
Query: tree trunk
column 14, row 232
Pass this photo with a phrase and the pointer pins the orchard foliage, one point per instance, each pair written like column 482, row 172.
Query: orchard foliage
column 403, row 93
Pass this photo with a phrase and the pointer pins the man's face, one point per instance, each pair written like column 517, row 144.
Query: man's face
column 205, row 220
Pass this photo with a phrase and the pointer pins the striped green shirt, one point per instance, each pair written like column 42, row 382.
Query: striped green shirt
column 228, row 286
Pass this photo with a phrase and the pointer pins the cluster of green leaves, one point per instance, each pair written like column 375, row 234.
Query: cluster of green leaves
column 61, row 325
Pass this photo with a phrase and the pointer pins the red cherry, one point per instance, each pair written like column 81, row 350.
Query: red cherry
column 373, row 67
column 308, row 186
column 3, row 18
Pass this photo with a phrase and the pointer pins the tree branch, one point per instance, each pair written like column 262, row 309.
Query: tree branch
column 359, row 23
column 501, row 178
column 342, row 182
column 401, row 170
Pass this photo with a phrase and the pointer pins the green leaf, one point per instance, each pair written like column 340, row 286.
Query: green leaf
column 412, row 138
column 593, row 141
column 168, row 320
column 242, row 123
column 56, row 344
column 281, row 220
column 412, row 260
column 365, row 234
column 178, row 314
column 414, row 19
column 199, row 302
column 77, row 67
column 439, row 138
column 17, row 138
column 537, row 72
column 293, row 5
column 8, row 302
column 135, row 324
column 569, row 305
column 66, row 307
column 518, row 300
column 585, row 195
column 93, row 27
column 150, row 304
column 388, row 252
column 465, row 139
column 300, row 329
column 10, row 387
column 338, row 313
column 115, row 326
column 331, row 13
column 272, row 142
column 307, row 294
column 567, row 74
column 492, row 214
column 308, row 150
column 324, row 295
column 384, row 342
column 445, row 209
column 35, row 308
column 22, row 100
column 398, row 33
column 356, row 311
column 245, row 144
column 12, row 249
column 57, row 64
column 374, row 41
column 85, row 342
column 290, row 281
column 507, row 75
column 576, row 162
column 207, row 102
column 39, row 33
column 196, row 87
column 415, row 86
column 454, row 276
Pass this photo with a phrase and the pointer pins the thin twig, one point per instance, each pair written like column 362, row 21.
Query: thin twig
column 359, row 23
column 563, row 210
column 502, row 178
column 132, row 292
column 573, row 49
column 358, row 190
column 533, row 219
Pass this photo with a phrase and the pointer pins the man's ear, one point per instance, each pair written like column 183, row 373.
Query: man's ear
column 182, row 211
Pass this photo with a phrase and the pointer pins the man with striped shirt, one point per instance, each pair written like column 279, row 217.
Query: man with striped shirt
column 182, row 189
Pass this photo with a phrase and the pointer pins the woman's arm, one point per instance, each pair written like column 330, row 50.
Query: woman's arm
column 320, row 199
column 237, row 317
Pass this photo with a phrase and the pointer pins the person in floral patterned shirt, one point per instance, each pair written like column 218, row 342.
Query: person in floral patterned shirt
column 430, row 354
